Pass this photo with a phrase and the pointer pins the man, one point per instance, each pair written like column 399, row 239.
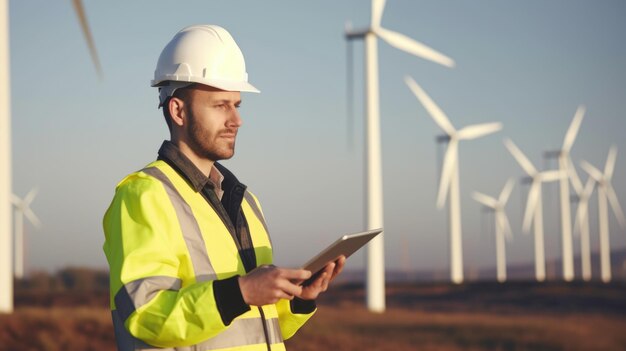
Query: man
column 189, row 253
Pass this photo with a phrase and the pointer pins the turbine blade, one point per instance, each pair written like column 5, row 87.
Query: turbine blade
column 435, row 112
column 32, row 217
column 449, row 164
column 523, row 161
column 404, row 43
column 610, row 162
column 28, row 199
column 531, row 204
column 15, row 200
column 573, row 176
column 572, row 131
column 479, row 130
column 378, row 7
column 506, row 191
column 550, row 176
column 484, row 199
column 588, row 188
column 617, row 209
column 593, row 172
column 582, row 212
column 581, row 215
column 504, row 224
column 80, row 12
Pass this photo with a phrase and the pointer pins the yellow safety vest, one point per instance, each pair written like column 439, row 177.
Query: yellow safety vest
column 166, row 246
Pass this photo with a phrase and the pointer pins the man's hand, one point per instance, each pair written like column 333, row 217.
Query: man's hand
column 266, row 285
column 320, row 284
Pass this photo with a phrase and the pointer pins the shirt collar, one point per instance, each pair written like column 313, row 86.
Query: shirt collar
column 171, row 154
column 217, row 178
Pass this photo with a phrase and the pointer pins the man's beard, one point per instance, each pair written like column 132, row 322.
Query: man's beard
column 202, row 144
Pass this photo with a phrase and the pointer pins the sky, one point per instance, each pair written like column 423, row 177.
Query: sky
column 527, row 64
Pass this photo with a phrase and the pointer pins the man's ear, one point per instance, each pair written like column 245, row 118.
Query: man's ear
column 176, row 107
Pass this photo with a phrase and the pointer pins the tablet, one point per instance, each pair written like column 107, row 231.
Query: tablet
column 346, row 245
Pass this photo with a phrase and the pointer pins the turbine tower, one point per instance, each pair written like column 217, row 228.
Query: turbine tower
column 581, row 223
column 503, row 228
column 6, row 274
column 566, row 219
column 534, row 207
column 449, row 183
column 375, row 254
column 605, row 191
column 22, row 209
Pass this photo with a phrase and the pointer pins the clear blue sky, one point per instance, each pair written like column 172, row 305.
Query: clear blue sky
column 528, row 64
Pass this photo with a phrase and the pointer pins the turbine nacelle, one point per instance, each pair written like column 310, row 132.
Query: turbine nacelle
column 526, row 180
column 443, row 138
column 360, row 33
column 552, row 154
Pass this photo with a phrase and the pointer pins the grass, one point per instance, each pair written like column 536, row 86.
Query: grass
column 352, row 327
column 57, row 328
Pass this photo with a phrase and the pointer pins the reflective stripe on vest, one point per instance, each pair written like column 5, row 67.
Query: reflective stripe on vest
column 241, row 332
column 255, row 209
column 133, row 295
column 139, row 292
column 189, row 227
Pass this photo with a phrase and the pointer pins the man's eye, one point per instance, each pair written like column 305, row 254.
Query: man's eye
column 226, row 106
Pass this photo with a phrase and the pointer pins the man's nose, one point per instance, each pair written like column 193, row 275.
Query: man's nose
column 235, row 118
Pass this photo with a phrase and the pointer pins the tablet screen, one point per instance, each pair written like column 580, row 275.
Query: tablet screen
column 346, row 246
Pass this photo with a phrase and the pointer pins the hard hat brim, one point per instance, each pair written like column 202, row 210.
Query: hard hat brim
column 226, row 85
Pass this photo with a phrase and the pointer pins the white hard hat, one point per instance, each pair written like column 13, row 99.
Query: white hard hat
column 205, row 54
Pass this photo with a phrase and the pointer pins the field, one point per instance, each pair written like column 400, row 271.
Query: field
column 480, row 316
column 477, row 316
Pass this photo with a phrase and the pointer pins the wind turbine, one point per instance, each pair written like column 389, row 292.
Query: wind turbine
column 6, row 273
column 503, row 228
column 449, row 183
column 566, row 219
column 605, row 191
column 375, row 254
column 534, row 207
column 581, row 224
column 22, row 209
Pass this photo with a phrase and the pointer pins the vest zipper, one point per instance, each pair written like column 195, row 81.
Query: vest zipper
column 265, row 331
